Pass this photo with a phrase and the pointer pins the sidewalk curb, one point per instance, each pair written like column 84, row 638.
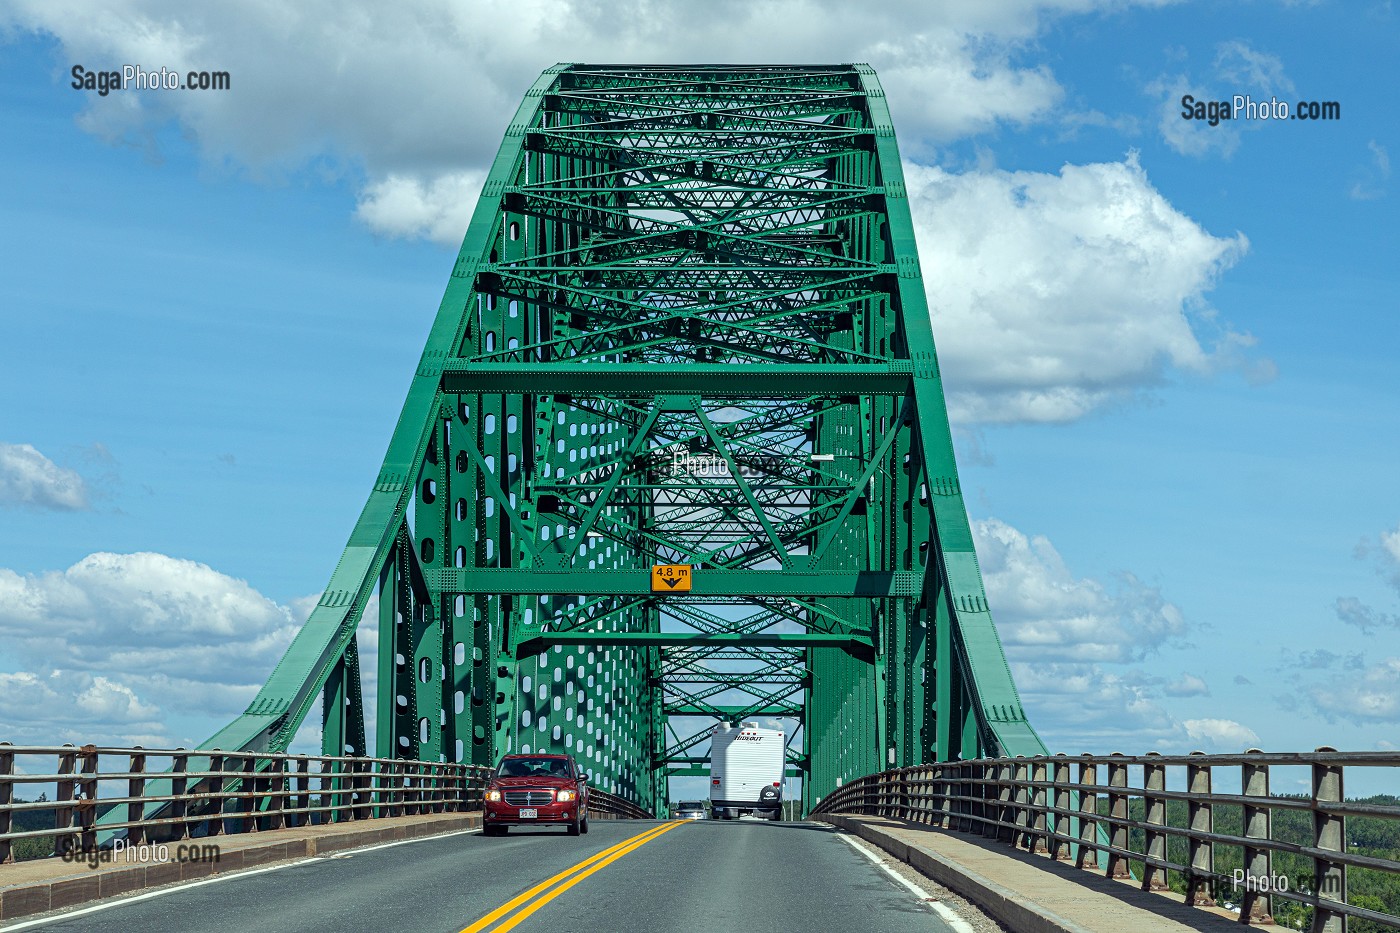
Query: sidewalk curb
column 1001, row 904
column 40, row 897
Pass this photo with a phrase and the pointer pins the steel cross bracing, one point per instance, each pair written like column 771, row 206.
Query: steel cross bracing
column 687, row 325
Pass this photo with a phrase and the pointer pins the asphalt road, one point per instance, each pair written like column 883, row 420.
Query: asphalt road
column 714, row 876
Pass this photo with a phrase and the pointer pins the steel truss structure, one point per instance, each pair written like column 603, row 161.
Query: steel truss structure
column 687, row 326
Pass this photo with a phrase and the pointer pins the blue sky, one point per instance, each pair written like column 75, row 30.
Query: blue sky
column 1170, row 347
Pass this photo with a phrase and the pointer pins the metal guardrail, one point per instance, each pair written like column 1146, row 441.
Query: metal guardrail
column 205, row 793
column 1057, row 805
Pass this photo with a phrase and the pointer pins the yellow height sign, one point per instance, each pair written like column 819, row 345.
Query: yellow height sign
column 670, row 578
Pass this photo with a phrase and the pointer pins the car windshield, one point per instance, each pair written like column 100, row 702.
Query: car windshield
column 535, row 767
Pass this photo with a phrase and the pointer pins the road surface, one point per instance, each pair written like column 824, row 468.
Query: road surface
column 628, row 876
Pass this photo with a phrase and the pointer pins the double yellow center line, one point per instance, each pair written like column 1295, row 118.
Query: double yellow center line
column 517, row 909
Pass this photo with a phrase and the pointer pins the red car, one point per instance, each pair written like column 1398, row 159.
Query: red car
column 529, row 790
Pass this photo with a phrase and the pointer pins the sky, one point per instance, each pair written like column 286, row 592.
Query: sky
column 1169, row 347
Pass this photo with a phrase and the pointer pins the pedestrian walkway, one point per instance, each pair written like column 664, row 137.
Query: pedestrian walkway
column 1031, row 893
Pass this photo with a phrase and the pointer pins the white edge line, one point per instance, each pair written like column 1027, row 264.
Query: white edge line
column 123, row 900
column 958, row 924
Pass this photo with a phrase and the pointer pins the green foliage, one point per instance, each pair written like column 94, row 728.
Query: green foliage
column 1373, row 890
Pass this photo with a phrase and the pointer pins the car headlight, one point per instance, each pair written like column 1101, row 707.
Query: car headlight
column 564, row 796
column 493, row 795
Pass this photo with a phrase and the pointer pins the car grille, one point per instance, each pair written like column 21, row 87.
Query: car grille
column 529, row 798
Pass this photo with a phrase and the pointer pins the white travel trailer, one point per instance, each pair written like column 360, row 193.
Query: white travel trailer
column 746, row 771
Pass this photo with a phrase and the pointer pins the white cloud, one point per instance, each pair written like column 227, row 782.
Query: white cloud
column 1390, row 544
column 422, row 90
column 1192, row 137
column 1370, row 183
column 1223, row 734
column 1078, row 649
column 439, row 210
column 1239, row 69
column 1367, row 696
column 146, row 625
column 1084, row 708
column 1386, row 553
column 1053, row 295
column 73, row 706
column 1045, row 614
column 1188, row 686
column 1352, row 611
column 1244, row 67
column 29, row 479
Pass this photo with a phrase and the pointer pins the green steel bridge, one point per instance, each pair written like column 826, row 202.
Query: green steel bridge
column 676, row 453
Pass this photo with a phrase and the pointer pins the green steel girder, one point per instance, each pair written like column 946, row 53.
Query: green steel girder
column 670, row 266
column 677, row 639
column 708, row 379
column 734, row 712
column 706, row 582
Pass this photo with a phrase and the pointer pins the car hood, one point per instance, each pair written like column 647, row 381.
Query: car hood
column 543, row 780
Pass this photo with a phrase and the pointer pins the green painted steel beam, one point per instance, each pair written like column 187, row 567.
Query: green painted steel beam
column 690, row 709
column 701, row 379
column 706, row 582
column 718, row 639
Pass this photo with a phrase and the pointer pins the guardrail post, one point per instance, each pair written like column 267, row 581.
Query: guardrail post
column 977, row 790
column 921, row 785
column 249, row 804
column 1088, row 816
column 135, row 787
column 301, row 791
column 364, row 779
column 278, row 817
column 350, row 778
column 1329, row 835
column 217, row 763
column 7, row 796
column 942, row 785
column 1021, row 782
column 63, row 796
column 1154, row 783
column 1006, row 802
column 354, row 778
column 179, row 787
column 87, row 809
column 1061, row 823
column 1201, row 864
column 1039, row 804
column 1118, row 811
column 376, row 788
column 1257, row 904
column 982, row 789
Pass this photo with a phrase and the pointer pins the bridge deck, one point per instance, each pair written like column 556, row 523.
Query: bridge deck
column 1031, row 892
column 41, row 885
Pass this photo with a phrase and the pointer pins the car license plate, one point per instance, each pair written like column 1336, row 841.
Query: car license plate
column 529, row 813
